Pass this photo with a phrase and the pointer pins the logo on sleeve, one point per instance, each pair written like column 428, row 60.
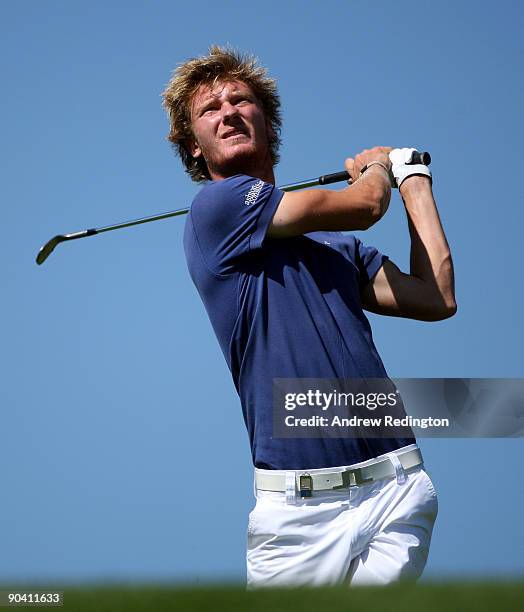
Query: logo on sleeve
column 253, row 193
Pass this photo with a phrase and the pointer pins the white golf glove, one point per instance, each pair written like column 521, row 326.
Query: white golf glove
column 401, row 168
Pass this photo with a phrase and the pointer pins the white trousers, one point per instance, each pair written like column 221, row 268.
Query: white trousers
column 375, row 533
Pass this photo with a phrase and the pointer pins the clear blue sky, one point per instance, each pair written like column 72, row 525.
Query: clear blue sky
column 115, row 396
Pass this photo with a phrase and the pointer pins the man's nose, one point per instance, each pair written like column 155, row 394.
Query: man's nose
column 228, row 111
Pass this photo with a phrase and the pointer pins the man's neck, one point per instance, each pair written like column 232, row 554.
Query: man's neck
column 265, row 172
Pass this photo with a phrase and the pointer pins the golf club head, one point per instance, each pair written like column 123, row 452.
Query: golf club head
column 48, row 248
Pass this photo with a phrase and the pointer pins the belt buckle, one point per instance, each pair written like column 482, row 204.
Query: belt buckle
column 362, row 476
column 305, row 485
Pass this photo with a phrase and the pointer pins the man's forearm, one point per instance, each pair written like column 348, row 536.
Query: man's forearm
column 430, row 258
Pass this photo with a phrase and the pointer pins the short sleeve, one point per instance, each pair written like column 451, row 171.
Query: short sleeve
column 230, row 220
column 369, row 261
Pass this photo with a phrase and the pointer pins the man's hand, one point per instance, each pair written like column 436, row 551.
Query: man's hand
column 380, row 154
column 402, row 169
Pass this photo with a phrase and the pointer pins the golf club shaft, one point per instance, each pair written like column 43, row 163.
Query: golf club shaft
column 326, row 179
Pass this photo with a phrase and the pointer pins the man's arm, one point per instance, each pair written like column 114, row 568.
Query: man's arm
column 356, row 207
column 428, row 292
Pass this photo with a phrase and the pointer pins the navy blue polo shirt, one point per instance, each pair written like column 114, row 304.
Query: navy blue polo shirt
column 282, row 308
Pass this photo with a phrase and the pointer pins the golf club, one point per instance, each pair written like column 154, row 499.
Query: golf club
column 326, row 179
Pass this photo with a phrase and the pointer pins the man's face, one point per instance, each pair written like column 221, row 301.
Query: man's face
column 229, row 128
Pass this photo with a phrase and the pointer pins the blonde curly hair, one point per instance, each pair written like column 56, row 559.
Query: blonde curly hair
column 220, row 64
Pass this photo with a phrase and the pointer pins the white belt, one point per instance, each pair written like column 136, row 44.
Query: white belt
column 323, row 481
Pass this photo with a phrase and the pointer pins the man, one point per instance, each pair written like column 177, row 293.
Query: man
column 284, row 290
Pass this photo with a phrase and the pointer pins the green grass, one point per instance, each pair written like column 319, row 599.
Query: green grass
column 449, row 597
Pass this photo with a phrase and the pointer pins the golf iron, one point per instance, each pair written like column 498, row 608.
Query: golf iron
column 326, row 179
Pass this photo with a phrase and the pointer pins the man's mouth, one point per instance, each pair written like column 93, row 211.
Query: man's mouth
column 232, row 133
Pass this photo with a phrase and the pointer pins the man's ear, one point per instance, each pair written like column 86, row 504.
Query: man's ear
column 193, row 147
